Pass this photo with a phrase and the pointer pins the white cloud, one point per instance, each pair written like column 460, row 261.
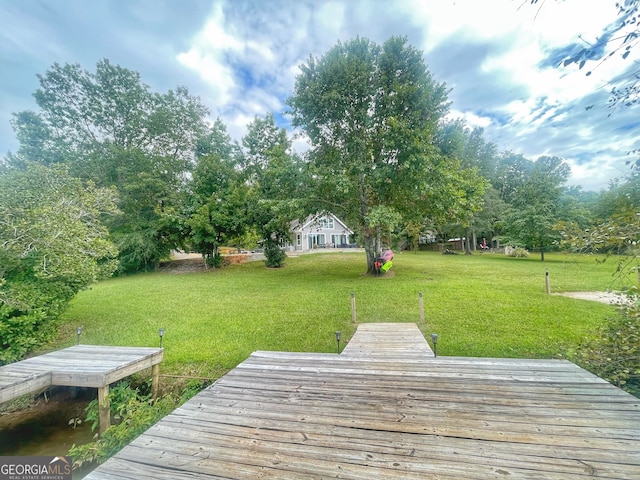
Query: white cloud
column 470, row 118
column 207, row 57
column 241, row 57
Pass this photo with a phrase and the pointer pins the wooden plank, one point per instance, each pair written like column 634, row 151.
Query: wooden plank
column 383, row 411
column 19, row 385
column 78, row 366
column 193, row 437
column 387, row 339
column 384, row 441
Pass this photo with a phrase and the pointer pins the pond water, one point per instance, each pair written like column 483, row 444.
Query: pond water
column 43, row 428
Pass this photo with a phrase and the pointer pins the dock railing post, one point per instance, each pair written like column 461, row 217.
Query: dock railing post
column 353, row 307
column 104, row 408
column 421, row 300
column 155, row 380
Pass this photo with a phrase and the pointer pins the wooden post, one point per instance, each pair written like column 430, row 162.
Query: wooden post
column 353, row 307
column 155, row 380
column 104, row 408
column 421, row 307
column 546, row 281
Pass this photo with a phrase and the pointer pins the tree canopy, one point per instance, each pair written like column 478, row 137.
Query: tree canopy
column 112, row 129
column 370, row 113
column 277, row 181
column 52, row 244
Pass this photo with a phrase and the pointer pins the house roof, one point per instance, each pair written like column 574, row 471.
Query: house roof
column 297, row 226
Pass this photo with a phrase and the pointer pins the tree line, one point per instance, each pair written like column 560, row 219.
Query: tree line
column 110, row 176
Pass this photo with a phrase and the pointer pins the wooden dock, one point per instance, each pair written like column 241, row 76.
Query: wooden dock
column 388, row 340
column 363, row 416
column 79, row 366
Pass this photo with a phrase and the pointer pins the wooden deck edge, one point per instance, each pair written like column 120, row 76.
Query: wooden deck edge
column 34, row 383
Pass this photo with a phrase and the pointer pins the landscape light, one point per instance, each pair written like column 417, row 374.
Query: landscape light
column 78, row 333
column 434, row 339
column 338, row 334
column 161, row 333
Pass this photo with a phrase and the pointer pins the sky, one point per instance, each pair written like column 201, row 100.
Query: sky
column 241, row 57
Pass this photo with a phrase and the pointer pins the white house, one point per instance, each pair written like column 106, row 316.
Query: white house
column 323, row 230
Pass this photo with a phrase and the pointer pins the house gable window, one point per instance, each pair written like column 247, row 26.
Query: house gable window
column 325, row 223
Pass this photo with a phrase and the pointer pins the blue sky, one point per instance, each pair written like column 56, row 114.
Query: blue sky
column 241, row 58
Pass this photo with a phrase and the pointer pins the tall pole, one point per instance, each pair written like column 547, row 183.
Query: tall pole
column 546, row 281
column 353, row 307
column 421, row 307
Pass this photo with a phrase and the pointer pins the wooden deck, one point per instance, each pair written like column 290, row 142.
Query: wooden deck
column 388, row 340
column 79, row 366
column 362, row 416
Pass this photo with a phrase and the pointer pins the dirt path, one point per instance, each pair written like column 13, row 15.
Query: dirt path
column 611, row 298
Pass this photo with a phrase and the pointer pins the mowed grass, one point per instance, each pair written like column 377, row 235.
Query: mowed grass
column 481, row 305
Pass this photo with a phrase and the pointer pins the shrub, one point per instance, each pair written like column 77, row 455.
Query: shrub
column 519, row 252
column 133, row 413
column 53, row 245
column 275, row 257
column 614, row 353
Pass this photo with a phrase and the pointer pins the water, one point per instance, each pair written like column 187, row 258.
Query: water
column 43, row 429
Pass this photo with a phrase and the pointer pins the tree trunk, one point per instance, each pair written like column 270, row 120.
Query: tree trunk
column 372, row 249
column 467, row 242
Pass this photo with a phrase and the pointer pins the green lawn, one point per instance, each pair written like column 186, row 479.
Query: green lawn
column 482, row 305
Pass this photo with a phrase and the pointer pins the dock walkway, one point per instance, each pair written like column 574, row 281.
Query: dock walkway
column 94, row 366
column 362, row 416
column 388, row 340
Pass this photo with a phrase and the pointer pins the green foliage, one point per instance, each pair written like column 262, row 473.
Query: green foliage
column 132, row 412
column 274, row 254
column 371, row 113
column 218, row 214
column 519, row 252
column 149, row 226
column 53, row 245
column 277, row 185
column 535, row 204
column 111, row 129
column 412, row 232
column 619, row 236
column 614, row 352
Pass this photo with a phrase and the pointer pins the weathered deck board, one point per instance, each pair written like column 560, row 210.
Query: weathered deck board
column 387, row 340
column 78, row 366
column 384, row 413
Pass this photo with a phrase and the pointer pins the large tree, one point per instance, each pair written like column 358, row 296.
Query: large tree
column 468, row 148
column 536, row 204
column 110, row 128
column 370, row 113
column 275, row 177
column 52, row 244
column 218, row 205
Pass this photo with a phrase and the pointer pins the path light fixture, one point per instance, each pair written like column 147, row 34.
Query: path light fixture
column 434, row 339
column 161, row 333
column 78, row 333
column 338, row 334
